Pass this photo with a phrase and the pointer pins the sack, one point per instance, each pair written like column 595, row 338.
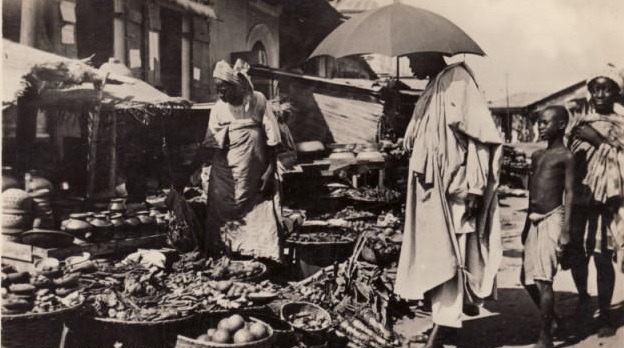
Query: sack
column 185, row 229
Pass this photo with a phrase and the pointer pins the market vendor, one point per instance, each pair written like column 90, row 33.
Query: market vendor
column 451, row 245
column 242, row 195
column 597, row 230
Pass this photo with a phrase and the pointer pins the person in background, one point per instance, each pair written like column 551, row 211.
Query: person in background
column 243, row 134
column 452, row 243
column 597, row 141
column 547, row 226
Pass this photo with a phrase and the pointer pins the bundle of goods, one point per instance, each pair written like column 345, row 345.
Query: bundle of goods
column 374, row 194
column 49, row 289
column 234, row 331
column 364, row 330
column 393, row 150
column 16, row 213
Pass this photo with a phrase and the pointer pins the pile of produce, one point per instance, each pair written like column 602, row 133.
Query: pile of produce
column 47, row 290
column 138, row 292
column 385, row 245
column 374, row 194
column 321, row 237
column 350, row 213
column 235, row 329
column 219, row 269
column 308, row 320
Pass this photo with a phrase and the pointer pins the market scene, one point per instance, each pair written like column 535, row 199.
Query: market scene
column 312, row 173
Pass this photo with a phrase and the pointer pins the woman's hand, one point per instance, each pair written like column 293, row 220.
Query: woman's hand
column 587, row 133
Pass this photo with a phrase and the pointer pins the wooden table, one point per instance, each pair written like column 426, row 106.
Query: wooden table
column 23, row 256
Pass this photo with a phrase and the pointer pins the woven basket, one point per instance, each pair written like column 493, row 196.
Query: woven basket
column 294, row 307
column 35, row 330
column 267, row 342
column 105, row 332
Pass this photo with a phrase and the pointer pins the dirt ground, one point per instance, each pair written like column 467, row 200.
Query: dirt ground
column 513, row 320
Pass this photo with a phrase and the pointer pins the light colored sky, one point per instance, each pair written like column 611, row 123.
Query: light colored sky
column 543, row 45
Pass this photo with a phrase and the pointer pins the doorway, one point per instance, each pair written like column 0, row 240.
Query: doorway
column 171, row 51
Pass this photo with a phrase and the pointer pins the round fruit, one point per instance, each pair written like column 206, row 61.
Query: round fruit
column 203, row 337
column 236, row 322
column 221, row 336
column 211, row 332
column 243, row 336
column 258, row 330
column 224, row 324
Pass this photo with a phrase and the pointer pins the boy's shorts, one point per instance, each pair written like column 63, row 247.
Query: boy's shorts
column 540, row 259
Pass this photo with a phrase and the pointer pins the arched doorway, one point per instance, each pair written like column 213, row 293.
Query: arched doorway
column 259, row 51
column 261, row 40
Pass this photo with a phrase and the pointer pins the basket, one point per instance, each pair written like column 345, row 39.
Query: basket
column 132, row 334
column 290, row 308
column 267, row 342
column 35, row 330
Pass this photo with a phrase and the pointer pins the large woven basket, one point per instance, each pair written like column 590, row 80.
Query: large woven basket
column 267, row 342
column 105, row 332
column 35, row 330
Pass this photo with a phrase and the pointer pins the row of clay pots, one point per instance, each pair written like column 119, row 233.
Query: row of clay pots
column 112, row 225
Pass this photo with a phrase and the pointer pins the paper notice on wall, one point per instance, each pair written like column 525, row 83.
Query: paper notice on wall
column 196, row 74
column 68, row 11
column 67, row 34
column 135, row 58
column 154, row 49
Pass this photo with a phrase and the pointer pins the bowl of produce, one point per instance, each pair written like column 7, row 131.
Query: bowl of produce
column 232, row 332
column 306, row 316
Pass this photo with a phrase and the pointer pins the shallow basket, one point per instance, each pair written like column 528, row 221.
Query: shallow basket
column 293, row 307
column 105, row 332
column 267, row 342
column 35, row 329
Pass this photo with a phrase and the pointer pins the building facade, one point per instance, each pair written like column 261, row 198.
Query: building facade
column 171, row 44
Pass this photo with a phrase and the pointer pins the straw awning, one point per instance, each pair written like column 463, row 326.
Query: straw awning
column 66, row 83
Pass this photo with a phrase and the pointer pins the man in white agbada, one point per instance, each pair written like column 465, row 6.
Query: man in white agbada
column 451, row 245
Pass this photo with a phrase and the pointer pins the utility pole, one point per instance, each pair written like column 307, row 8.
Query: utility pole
column 509, row 122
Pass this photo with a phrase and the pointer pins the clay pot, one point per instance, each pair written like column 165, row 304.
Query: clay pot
column 132, row 225
column 148, row 223
column 77, row 225
column 102, row 229
column 119, row 226
column 117, row 205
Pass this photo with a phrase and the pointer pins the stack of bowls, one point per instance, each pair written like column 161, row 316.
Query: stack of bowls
column 16, row 214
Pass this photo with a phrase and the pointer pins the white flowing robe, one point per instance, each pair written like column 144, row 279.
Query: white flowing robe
column 456, row 151
column 240, row 135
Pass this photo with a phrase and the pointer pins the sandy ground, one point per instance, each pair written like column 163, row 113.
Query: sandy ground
column 513, row 320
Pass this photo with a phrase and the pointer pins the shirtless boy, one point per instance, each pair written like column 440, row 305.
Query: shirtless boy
column 548, row 219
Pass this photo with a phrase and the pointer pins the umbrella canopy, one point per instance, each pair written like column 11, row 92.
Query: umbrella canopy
column 397, row 30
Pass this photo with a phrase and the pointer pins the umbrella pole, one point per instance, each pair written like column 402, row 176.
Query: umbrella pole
column 397, row 68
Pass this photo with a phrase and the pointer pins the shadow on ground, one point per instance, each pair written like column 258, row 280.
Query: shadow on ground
column 515, row 321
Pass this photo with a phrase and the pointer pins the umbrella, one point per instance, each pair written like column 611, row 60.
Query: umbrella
column 397, row 30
